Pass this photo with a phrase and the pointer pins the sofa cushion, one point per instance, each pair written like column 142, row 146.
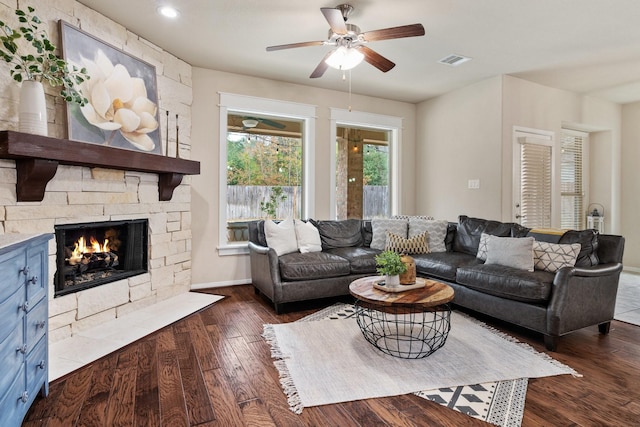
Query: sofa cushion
column 442, row 265
column 588, row 240
column 361, row 259
column 308, row 237
column 516, row 252
column 380, row 227
column 469, row 230
column 507, row 282
column 312, row 265
column 339, row 234
column 281, row 237
column 436, row 229
column 417, row 244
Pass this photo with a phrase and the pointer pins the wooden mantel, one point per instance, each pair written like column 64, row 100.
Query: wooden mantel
column 37, row 159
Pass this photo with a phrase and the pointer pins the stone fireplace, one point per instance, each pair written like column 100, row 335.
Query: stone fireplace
column 97, row 253
column 71, row 188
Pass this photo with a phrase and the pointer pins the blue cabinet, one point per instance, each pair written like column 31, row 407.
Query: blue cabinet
column 23, row 330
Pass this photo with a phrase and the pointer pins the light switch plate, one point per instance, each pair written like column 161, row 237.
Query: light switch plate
column 474, row 184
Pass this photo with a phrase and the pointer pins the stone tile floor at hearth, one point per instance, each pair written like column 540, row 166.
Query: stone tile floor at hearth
column 72, row 353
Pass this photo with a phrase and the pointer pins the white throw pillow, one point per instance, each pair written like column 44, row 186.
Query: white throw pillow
column 437, row 230
column 281, row 237
column 379, row 228
column 308, row 237
column 516, row 252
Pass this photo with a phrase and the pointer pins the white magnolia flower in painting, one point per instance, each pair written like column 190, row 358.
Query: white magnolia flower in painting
column 118, row 102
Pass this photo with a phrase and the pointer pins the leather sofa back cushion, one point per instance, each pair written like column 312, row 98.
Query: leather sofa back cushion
column 339, row 234
column 469, row 230
column 588, row 240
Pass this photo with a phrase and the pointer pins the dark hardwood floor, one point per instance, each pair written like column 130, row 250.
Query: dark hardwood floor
column 213, row 368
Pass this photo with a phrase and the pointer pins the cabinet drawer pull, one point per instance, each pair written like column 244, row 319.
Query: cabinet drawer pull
column 42, row 364
column 22, row 349
column 40, row 324
column 24, row 397
column 25, row 306
column 25, row 270
column 33, row 280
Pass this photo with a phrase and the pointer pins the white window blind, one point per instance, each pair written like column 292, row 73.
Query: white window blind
column 571, row 181
column 535, row 184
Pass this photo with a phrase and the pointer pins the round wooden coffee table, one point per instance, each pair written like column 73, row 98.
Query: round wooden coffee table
column 409, row 324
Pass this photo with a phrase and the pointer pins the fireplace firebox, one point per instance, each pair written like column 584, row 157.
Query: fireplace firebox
column 93, row 254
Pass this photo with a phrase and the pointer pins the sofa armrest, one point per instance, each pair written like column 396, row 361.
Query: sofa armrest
column 265, row 271
column 582, row 297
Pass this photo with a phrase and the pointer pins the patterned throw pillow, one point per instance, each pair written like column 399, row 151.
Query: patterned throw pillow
column 381, row 226
column 482, row 247
column 414, row 245
column 436, row 229
column 552, row 257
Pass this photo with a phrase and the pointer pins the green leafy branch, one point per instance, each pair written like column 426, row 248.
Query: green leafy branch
column 42, row 64
column 277, row 196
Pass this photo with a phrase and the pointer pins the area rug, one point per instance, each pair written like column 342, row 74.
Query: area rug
column 328, row 361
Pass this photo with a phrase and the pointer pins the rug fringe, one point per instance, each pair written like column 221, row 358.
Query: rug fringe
column 523, row 345
column 288, row 386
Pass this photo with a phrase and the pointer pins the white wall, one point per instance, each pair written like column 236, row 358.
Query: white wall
column 459, row 138
column 467, row 134
column 631, row 183
column 208, row 267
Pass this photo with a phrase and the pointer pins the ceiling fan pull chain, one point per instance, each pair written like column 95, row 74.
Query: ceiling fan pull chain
column 349, row 89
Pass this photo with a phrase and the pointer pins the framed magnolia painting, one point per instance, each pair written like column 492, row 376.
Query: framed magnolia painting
column 122, row 91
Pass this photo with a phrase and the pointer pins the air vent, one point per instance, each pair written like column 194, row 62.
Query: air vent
column 454, row 60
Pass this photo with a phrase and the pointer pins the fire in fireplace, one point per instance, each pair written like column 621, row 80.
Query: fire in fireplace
column 93, row 254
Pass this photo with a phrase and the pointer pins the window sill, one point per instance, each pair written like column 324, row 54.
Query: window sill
column 237, row 249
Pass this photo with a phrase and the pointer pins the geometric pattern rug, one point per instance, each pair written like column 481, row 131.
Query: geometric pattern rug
column 500, row 403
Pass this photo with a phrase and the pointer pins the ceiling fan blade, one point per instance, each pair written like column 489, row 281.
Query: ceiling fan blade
column 377, row 60
column 322, row 67
column 272, row 123
column 292, row 45
column 412, row 30
column 335, row 19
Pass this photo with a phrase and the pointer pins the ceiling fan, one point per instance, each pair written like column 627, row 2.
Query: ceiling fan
column 351, row 42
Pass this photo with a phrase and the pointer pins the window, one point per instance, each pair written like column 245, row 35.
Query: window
column 572, row 192
column 535, row 182
column 362, row 173
column 365, row 164
column 265, row 167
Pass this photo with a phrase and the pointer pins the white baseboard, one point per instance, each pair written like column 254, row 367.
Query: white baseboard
column 631, row 270
column 198, row 286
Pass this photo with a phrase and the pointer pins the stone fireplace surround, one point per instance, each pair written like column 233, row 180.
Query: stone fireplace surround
column 83, row 194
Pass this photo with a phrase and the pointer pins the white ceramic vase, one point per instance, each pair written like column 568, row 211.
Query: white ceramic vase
column 392, row 281
column 32, row 111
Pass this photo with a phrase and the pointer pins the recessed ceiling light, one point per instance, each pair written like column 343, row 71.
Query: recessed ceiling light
column 168, row 11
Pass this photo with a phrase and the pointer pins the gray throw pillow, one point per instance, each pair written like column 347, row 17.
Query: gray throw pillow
column 437, row 230
column 516, row 252
column 380, row 228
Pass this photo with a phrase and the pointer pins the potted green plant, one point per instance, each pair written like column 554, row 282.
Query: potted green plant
column 390, row 265
column 30, row 55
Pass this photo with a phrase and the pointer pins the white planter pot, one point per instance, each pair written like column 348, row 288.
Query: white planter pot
column 32, row 112
column 392, row 281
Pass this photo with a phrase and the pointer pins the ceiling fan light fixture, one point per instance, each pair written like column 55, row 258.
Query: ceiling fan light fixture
column 345, row 58
column 250, row 123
